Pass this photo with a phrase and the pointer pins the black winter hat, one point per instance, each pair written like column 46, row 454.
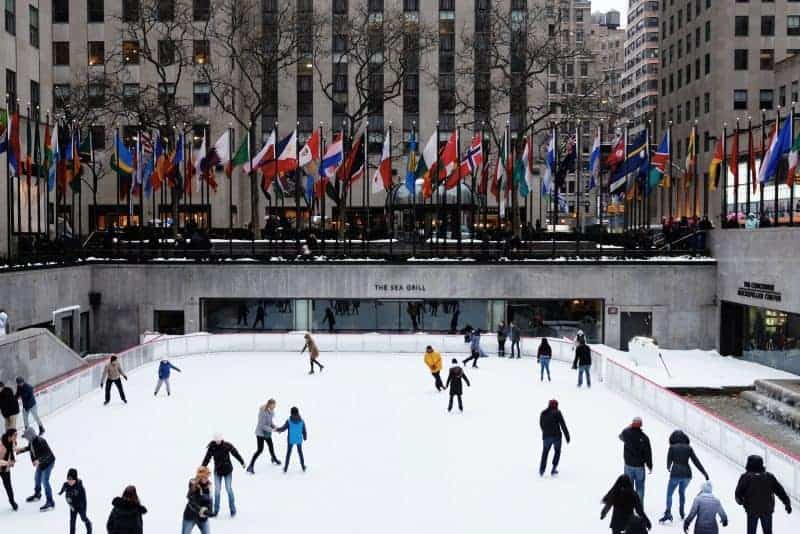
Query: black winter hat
column 454, row 361
column 20, row 380
column 72, row 474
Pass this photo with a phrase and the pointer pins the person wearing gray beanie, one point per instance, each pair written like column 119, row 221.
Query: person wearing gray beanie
column 705, row 509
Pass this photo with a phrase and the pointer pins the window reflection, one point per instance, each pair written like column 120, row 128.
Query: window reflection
column 558, row 318
column 237, row 315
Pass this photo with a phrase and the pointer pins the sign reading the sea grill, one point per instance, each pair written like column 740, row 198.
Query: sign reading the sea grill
column 759, row 291
column 401, row 288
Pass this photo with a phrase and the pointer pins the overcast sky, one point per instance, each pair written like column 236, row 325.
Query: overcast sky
column 619, row 5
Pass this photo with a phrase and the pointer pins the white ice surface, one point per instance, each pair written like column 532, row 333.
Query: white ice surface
column 384, row 457
column 699, row 368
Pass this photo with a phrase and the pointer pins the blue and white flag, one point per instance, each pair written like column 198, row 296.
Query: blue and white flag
column 594, row 163
column 549, row 165
column 779, row 146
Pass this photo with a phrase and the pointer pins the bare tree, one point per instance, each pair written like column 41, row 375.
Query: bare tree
column 255, row 43
column 525, row 60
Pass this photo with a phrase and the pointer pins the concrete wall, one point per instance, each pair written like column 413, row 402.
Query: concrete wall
column 679, row 295
column 35, row 354
column 766, row 255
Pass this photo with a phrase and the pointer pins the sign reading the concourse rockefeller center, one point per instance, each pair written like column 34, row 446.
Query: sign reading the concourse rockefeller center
column 759, row 291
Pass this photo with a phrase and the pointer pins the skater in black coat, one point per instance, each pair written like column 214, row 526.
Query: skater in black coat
column 756, row 492
column 9, row 407
column 551, row 421
column 43, row 461
column 680, row 473
column 454, row 379
column 625, row 501
column 76, row 499
column 126, row 514
column 198, row 502
column 637, row 454
column 221, row 451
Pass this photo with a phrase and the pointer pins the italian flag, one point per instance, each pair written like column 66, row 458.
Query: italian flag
column 427, row 159
column 792, row 174
column 240, row 158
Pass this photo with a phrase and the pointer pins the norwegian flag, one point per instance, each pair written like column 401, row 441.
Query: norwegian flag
column 617, row 154
column 474, row 156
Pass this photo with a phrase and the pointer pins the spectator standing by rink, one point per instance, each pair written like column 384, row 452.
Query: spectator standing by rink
column 164, row 370
column 680, row 473
column 111, row 375
column 433, row 359
column 502, row 334
column 515, row 335
column 8, row 447
column 295, row 438
column 583, row 362
column 313, row 353
column 475, row 348
column 9, row 407
column 5, row 328
column 221, row 451
column 543, row 356
column 551, row 421
column 756, row 492
column 126, row 514
column 76, row 499
column 26, row 394
column 637, row 454
column 330, row 319
column 198, row 503
column 706, row 507
column 625, row 501
column 454, row 379
column 264, row 429
column 43, row 461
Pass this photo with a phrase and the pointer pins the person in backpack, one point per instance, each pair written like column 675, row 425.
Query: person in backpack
column 198, row 503
column 9, row 407
column 164, row 371
column 680, row 473
column 111, row 375
column 552, row 423
column 126, row 514
column 27, row 396
column 454, row 378
column 637, row 454
column 515, row 335
column 298, row 433
column 543, row 357
column 433, row 359
column 8, row 447
column 221, row 451
column 502, row 334
column 264, row 428
column 43, row 461
column 625, row 501
column 756, row 492
column 475, row 348
column 313, row 353
column 76, row 499
column 705, row 508
column 583, row 362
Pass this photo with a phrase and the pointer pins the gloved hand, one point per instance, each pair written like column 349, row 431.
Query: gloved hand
column 789, row 509
column 724, row 522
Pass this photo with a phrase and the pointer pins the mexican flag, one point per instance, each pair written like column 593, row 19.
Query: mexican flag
column 792, row 174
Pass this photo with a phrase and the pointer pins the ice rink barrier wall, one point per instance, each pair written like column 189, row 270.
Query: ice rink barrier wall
column 721, row 436
column 733, row 443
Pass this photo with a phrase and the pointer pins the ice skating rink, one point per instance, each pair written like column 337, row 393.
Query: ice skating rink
column 383, row 454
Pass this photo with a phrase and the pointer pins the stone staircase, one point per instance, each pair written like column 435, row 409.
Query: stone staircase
column 779, row 399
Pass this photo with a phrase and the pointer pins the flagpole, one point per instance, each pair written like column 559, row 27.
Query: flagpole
column 578, row 187
column 645, row 185
column 458, row 186
column 775, row 187
column 724, row 177
column 323, row 184
column 365, row 189
column 80, row 190
column 230, row 189
column 297, row 191
column 435, row 180
column 161, row 189
column 413, row 200
column 37, row 156
column 9, row 219
column 790, row 179
column 30, row 170
column 389, row 192
column 554, row 188
column 736, row 177
column 761, row 211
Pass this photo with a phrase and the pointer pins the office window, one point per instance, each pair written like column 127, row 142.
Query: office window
column 36, row 97
column 697, row 37
column 11, row 16
column 679, row 114
column 708, row 30
column 782, row 96
column 130, row 95
column 60, row 11
column 130, row 10
column 60, row 53
column 766, row 98
column 740, row 59
column 166, row 52
column 767, row 59
column 130, row 52
column 663, row 86
column 740, row 99
column 340, row 7
column 33, row 19
column 97, row 53
column 201, row 94
column 688, row 110
column 202, row 52
column 697, row 68
column 166, row 92
column 793, row 25
column 680, row 79
column 61, row 93
column 707, row 64
column 706, row 102
column 201, row 9
column 696, row 106
column 95, row 11
column 688, row 73
column 767, row 25
column 97, row 95
column 98, row 133
column 166, row 10
column 795, row 91
column 688, row 43
column 741, row 26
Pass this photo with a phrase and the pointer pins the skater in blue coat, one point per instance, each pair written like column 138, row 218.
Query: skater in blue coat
column 297, row 435
column 164, row 370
